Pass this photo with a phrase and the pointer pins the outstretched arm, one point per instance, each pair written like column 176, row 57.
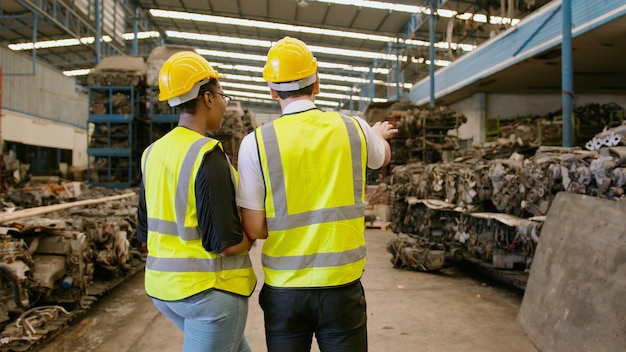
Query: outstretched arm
column 385, row 130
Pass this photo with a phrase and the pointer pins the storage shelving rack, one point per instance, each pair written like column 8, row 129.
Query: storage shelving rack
column 163, row 118
column 114, row 145
column 434, row 132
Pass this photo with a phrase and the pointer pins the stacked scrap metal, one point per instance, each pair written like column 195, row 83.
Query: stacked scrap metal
column 117, row 88
column 14, row 172
column 232, row 131
column 57, row 260
column 159, row 107
column 121, row 70
column 424, row 134
column 588, row 120
column 490, row 211
column 608, row 138
column 249, row 122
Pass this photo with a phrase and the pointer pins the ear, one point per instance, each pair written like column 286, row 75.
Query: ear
column 208, row 98
column 316, row 85
column 273, row 94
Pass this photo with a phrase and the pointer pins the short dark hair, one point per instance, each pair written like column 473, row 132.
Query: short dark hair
column 308, row 90
column 190, row 106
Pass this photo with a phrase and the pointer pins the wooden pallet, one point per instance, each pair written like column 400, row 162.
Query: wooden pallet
column 383, row 225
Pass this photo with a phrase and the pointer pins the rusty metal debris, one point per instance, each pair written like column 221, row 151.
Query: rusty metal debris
column 609, row 138
column 118, row 70
column 491, row 211
column 587, row 121
column 236, row 124
column 424, row 134
column 58, row 261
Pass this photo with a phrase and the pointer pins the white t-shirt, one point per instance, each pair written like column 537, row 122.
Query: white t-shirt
column 251, row 188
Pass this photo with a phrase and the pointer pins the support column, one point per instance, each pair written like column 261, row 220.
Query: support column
column 480, row 106
column 433, row 9
column 567, row 74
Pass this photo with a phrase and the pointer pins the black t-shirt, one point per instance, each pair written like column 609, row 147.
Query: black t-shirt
column 218, row 217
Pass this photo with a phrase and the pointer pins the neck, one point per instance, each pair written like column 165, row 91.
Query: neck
column 285, row 102
column 191, row 122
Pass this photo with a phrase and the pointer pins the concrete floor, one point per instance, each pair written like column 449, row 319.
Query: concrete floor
column 407, row 311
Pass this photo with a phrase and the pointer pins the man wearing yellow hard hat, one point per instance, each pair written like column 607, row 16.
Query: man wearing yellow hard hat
column 302, row 189
column 198, row 271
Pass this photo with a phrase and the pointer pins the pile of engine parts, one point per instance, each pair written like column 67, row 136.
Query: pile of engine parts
column 490, row 211
column 58, row 259
column 588, row 120
column 118, row 70
column 14, row 172
column 424, row 134
column 236, row 124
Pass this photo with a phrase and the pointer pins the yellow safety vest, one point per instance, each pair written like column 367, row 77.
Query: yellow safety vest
column 178, row 266
column 314, row 166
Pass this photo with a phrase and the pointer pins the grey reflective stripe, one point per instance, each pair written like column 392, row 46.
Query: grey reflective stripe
column 187, row 265
column 171, row 228
column 181, row 198
column 318, row 260
column 282, row 220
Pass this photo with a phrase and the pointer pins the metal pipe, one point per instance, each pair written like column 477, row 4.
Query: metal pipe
column 135, row 24
column 98, row 40
column 431, row 30
column 567, row 74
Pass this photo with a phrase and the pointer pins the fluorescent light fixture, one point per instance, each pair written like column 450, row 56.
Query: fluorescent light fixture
column 80, row 72
column 141, row 35
column 419, row 9
column 378, row 5
column 262, row 58
column 266, row 44
column 56, row 43
column 287, row 27
column 187, row 16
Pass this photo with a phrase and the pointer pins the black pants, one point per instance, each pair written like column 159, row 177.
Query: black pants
column 335, row 315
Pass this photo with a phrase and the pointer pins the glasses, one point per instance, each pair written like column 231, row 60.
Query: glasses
column 226, row 98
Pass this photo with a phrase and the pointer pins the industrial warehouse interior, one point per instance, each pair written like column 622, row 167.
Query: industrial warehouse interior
column 499, row 223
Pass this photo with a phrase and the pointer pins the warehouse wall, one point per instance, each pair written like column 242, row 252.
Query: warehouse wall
column 41, row 106
column 474, row 108
column 509, row 106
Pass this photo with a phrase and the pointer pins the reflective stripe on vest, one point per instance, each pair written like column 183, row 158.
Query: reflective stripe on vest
column 188, row 265
column 339, row 265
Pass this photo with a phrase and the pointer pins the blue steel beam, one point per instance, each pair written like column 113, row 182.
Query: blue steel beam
column 431, row 22
column 418, row 19
column 98, row 42
column 567, row 75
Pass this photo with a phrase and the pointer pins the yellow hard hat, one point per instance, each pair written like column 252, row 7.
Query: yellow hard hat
column 290, row 60
column 182, row 75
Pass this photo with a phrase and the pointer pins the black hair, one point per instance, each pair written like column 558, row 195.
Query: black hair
column 308, row 90
column 190, row 106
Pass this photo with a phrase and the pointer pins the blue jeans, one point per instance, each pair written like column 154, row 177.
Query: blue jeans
column 212, row 321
